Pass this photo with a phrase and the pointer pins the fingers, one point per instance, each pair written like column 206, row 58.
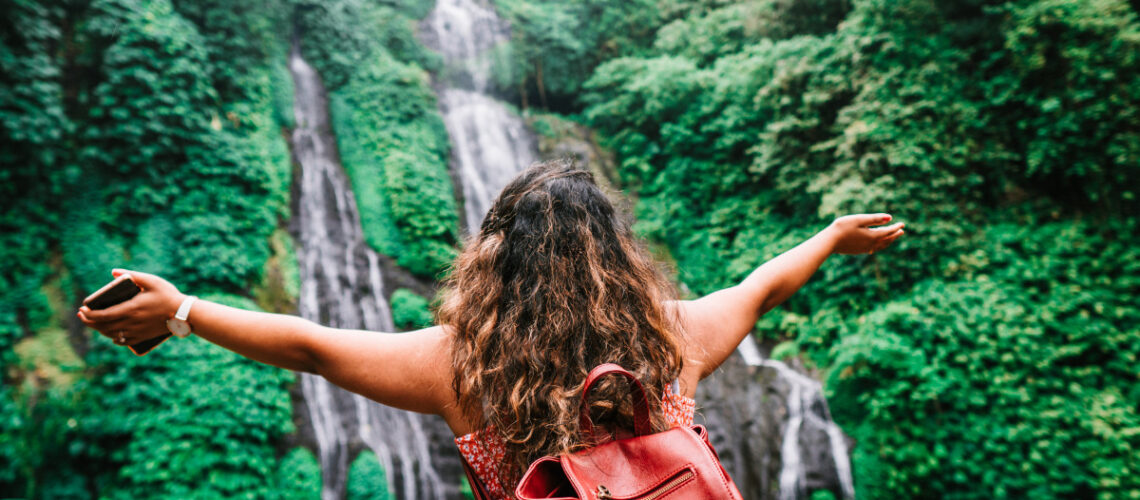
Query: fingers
column 887, row 231
column 122, row 332
column 107, row 328
column 864, row 220
column 109, row 314
column 891, row 239
column 887, row 241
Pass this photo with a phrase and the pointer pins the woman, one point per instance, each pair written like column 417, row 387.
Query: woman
column 552, row 285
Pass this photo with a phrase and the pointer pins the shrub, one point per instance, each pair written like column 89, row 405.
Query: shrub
column 410, row 311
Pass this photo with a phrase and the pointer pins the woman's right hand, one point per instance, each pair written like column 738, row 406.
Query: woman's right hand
column 409, row 370
column 853, row 234
column 140, row 318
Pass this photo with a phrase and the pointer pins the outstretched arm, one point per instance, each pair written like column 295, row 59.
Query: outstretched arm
column 394, row 369
column 716, row 323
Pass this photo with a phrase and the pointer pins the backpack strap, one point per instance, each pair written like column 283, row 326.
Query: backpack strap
column 641, row 426
column 478, row 489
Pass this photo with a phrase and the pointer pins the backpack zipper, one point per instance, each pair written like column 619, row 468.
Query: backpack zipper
column 604, row 493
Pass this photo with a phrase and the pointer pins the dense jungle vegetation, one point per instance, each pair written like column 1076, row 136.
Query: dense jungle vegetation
column 152, row 135
column 994, row 352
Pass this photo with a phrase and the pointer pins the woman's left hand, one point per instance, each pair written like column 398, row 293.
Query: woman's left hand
column 854, row 235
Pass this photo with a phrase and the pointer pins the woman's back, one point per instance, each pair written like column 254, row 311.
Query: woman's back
column 485, row 452
column 552, row 285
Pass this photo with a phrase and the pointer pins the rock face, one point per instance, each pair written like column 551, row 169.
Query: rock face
column 566, row 139
column 772, row 429
column 741, row 406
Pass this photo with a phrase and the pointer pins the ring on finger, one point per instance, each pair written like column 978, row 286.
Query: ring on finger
column 122, row 338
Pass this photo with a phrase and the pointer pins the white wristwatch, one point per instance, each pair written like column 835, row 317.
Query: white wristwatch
column 178, row 324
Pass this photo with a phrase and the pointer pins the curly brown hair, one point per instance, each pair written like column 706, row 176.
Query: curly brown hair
column 554, row 284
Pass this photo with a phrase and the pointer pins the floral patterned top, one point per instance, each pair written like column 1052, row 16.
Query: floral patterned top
column 483, row 449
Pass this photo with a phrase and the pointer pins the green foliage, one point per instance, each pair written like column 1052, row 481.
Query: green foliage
column 396, row 31
column 421, row 202
column 1073, row 69
column 176, row 427
column 1019, row 378
column 394, row 146
column 237, row 36
column 726, row 28
column 366, row 479
column 155, row 88
column 163, row 151
column 33, row 132
column 783, row 350
column 409, row 311
column 465, row 488
column 281, row 283
column 332, row 39
column 32, row 129
column 160, row 152
column 340, row 36
column 555, row 45
column 409, row 9
column 391, row 139
column 299, row 476
column 991, row 353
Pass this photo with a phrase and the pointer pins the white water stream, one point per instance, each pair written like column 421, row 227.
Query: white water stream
column 341, row 278
column 804, row 393
column 490, row 142
column 341, row 287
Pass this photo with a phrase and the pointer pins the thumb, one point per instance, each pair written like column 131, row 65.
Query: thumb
column 145, row 281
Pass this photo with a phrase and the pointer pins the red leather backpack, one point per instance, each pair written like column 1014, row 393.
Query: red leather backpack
column 676, row 464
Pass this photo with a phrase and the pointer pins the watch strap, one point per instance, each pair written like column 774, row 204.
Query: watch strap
column 184, row 309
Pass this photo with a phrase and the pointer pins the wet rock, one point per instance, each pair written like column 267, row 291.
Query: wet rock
column 751, row 407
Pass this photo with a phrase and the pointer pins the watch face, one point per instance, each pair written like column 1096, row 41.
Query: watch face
column 178, row 327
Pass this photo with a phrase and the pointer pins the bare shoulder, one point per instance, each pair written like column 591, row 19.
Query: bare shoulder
column 712, row 326
column 430, row 363
column 456, row 419
column 694, row 355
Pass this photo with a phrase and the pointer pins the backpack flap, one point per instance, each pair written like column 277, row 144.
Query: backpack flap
column 676, row 461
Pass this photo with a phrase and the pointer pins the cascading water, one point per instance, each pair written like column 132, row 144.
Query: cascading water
column 752, row 404
column 490, row 143
column 341, row 287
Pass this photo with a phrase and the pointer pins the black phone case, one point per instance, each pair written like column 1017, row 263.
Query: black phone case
column 121, row 293
column 118, row 294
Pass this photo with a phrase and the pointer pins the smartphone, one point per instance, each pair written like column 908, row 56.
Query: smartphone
column 118, row 291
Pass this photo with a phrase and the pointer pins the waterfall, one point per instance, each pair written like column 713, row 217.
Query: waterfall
column 775, row 404
column 342, row 287
column 490, row 143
